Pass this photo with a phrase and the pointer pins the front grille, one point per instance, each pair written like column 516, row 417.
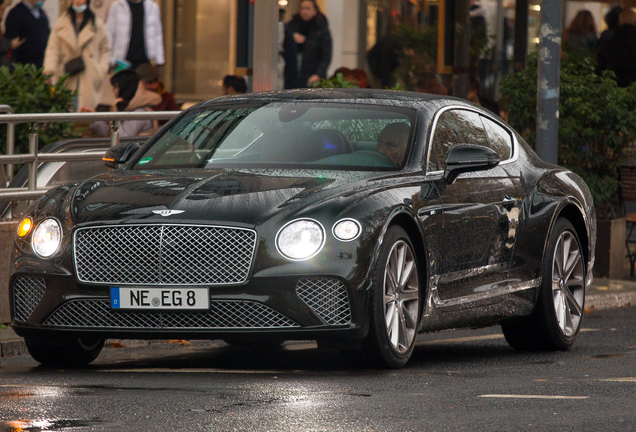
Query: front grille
column 27, row 293
column 223, row 314
column 164, row 254
column 327, row 298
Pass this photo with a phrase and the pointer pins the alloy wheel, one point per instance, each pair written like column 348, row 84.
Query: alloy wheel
column 568, row 285
column 401, row 296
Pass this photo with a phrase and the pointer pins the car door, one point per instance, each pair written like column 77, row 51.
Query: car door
column 475, row 217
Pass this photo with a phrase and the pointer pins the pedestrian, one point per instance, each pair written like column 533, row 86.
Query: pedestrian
column 313, row 38
column 78, row 46
column 135, row 33
column 611, row 19
column 234, row 85
column 130, row 95
column 580, row 37
column 618, row 53
column 28, row 23
column 151, row 81
column 289, row 54
column 6, row 44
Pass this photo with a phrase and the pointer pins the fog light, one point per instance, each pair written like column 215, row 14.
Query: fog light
column 24, row 227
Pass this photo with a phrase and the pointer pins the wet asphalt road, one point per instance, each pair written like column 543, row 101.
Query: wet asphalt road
column 468, row 380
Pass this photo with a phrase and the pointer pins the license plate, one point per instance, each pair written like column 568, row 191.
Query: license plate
column 159, row 298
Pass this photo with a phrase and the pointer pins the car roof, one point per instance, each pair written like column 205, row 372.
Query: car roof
column 371, row 96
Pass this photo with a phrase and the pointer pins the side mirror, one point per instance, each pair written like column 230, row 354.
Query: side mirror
column 120, row 154
column 466, row 158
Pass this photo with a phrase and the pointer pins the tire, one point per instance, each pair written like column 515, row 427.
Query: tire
column 556, row 320
column 395, row 304
column 66, row 352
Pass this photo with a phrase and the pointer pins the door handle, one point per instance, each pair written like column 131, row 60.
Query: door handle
column 508, row 202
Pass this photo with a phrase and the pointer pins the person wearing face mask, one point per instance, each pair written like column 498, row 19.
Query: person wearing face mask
column 28, row 23
column 312, row 35
column 78, row 46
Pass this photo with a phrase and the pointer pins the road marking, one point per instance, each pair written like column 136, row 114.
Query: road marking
column 463, row 339
column 626, row 379
column 511, row 396
column 478, row 338
column 201, row 370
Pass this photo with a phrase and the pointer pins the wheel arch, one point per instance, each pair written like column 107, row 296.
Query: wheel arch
column 407, row 222
column 574, row 215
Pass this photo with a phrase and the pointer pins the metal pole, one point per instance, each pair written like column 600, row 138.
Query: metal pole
column 548, row 81
column 33, row 149
column 521, row 35
column 462, row 48
column 265, row 45
column 114, row 135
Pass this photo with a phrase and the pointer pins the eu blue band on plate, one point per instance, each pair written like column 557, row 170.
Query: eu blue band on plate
column 114, row 298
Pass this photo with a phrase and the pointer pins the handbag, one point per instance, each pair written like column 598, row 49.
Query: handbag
column 74, row 66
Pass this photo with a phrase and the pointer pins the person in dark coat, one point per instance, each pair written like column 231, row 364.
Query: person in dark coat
column 618, row 54
column 312, row 35
column 6, row 44
column 580, row 36
column 290, row 55
column 611, row 19
column 28, row 22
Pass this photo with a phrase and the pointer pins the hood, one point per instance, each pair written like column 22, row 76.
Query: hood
column 240, row 197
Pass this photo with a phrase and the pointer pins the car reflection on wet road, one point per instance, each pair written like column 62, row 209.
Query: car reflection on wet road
column 461, row 380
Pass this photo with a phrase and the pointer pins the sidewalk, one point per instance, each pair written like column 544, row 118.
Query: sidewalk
column 602, row 294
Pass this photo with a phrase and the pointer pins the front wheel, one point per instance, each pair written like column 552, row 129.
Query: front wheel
column 556, row 320
column 395, row 303
column 65, row 352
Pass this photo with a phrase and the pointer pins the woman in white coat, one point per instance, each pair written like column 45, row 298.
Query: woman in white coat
column 78, row 46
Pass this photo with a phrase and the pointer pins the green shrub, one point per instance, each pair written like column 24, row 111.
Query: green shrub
column 597, row 122
column 337, row 81
column 27, row 91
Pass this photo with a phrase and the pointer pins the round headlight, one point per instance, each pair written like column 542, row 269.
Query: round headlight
column 346, row 230
column 300, row 239
column 47, row 237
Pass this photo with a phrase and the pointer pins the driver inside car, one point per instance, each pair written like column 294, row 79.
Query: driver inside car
column 392, row 142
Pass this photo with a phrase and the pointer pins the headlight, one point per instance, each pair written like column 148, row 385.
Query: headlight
column 47, row 237
column 25, row 226
column 346, row 230
column 300, row 239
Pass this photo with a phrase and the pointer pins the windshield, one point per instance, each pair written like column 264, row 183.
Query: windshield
column 286, row 135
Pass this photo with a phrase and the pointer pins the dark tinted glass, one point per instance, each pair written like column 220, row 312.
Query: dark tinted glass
column 456, row 127
column 499, row 139
column 308, row 135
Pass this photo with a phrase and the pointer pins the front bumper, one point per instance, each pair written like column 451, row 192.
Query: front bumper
column 291, row 307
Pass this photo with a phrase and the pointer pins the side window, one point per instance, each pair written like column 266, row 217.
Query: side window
column 456, row 127
column 499, row 139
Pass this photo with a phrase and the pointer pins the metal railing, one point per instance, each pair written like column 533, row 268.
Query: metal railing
column 33, row 158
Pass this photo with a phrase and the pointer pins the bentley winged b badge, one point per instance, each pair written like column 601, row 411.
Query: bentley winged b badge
column 165, row 213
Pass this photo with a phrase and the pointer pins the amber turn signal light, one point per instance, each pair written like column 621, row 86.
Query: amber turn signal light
column 25, row 227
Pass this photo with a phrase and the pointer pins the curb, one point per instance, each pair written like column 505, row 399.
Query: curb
column 15, row 346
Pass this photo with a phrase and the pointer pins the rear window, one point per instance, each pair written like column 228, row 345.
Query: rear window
column 302, row 135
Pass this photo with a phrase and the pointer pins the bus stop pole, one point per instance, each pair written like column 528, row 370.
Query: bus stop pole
column 548, row 81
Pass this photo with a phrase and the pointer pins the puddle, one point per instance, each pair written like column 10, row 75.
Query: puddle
column 44, row 425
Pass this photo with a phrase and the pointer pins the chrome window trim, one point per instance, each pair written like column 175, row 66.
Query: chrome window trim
column 515, row 144
column 247, row 275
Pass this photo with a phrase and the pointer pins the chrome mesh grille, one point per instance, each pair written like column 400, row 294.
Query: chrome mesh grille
column 164, row 254
column 327, row 298
column 27, row 293
column 223, row 314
